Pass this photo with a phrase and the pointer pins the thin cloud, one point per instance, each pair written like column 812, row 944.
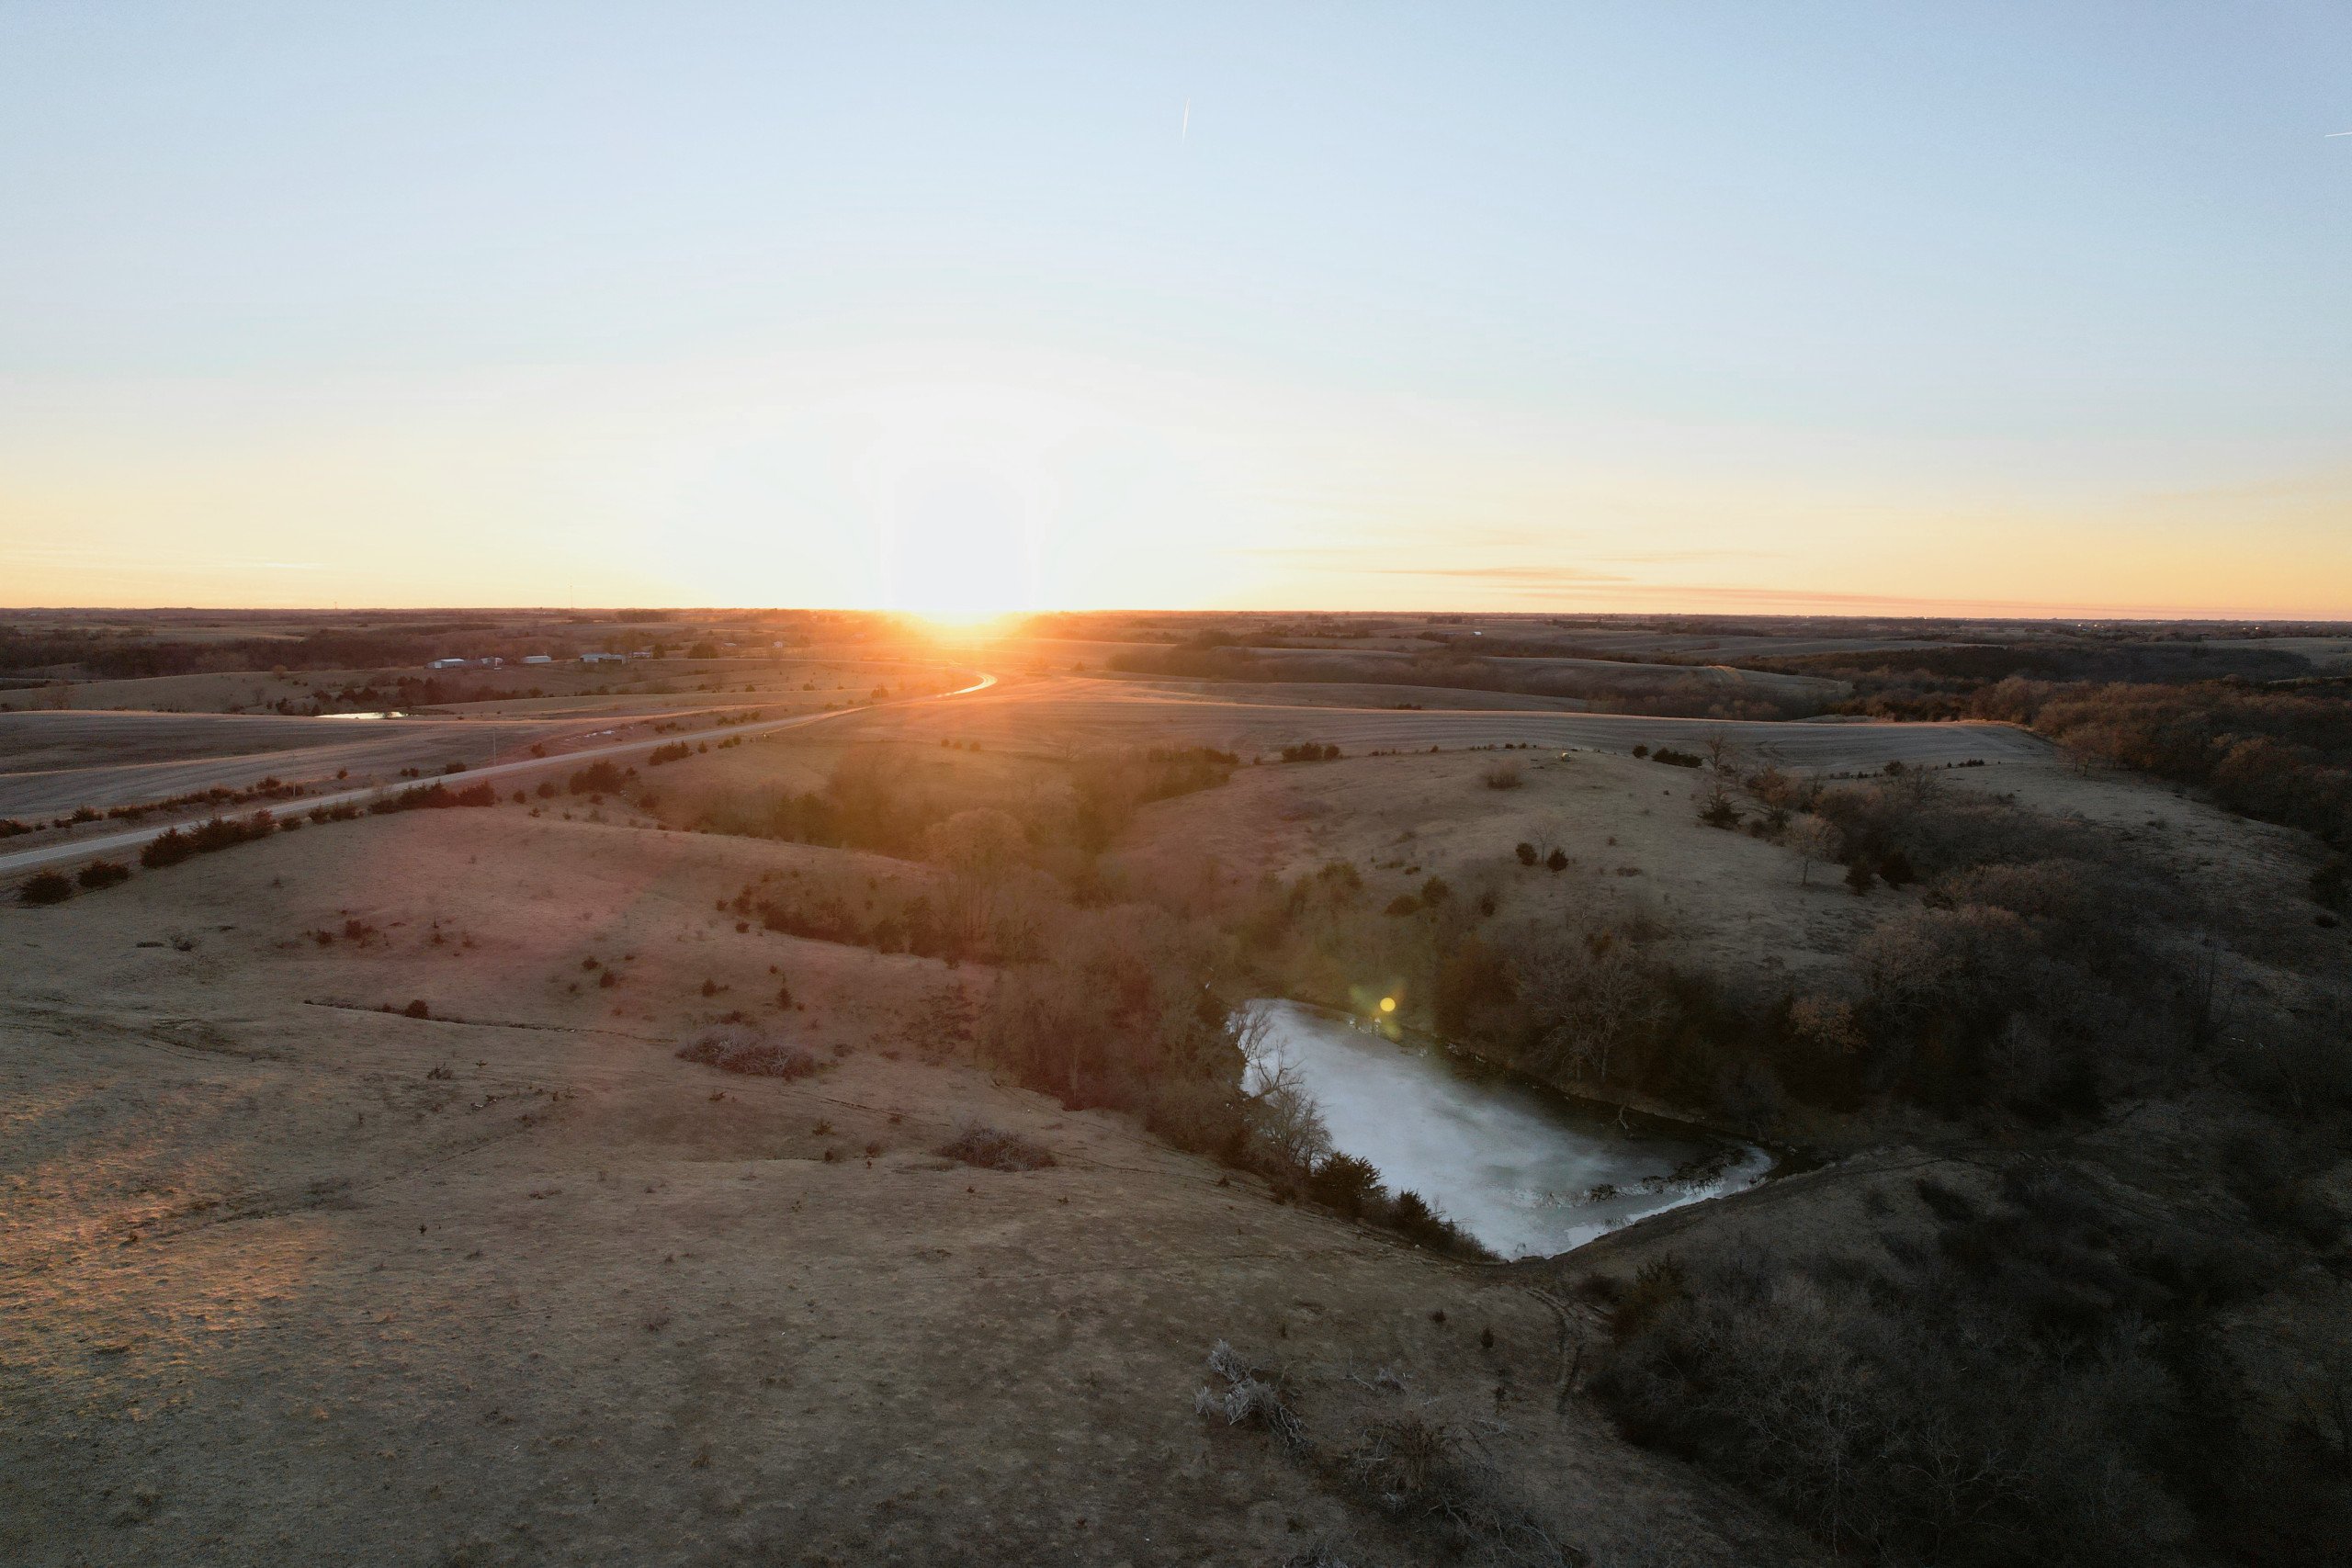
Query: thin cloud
column 1497, row 573
column 1651, row 558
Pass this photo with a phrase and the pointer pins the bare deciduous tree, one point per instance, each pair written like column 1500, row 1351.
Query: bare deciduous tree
column 1814, row 840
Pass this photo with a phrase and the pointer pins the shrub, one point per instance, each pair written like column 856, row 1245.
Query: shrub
column 734, row 1048
column 677, row 751
column 770, row 1060
column 47, row 888
column 434, row 796
column 1346, row 1183
column 1502, row 776
column 225, row 832
column 417, row 1009
column 1557, row 861
column 177, row 844
column 1248, row 1400
column 1425, row 1472
column 103, row 874
column 1410, row 1216
column 168, row 848
column 1526, row 853
column 597, row 778
column 993, row 1148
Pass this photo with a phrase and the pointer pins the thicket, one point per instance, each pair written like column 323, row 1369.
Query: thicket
column 217, row 796
column 1115, row 1010
column 2179, row 711
column 2283, row 756
column 434, row 797
column 2048, row 967
column 1926, row 682
column 599, row 778
column 2044, row 1383
column 177, row 844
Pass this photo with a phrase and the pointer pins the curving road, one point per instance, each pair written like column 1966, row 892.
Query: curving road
column 133, row 839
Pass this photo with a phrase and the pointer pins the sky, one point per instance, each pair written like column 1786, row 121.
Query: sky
column 1964, row 309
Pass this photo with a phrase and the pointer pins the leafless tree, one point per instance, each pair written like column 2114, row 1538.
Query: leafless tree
column 1814, row 839
column 1283, row 1115
column 1591, row 1002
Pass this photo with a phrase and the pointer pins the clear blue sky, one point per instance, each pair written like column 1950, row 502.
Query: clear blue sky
column 1619, row 306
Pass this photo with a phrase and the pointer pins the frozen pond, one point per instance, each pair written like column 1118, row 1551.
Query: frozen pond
column 1525, row 1169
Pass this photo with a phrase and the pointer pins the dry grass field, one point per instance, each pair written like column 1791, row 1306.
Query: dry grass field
column 292, row 1279
column 355, row 1206
column 1071, row 712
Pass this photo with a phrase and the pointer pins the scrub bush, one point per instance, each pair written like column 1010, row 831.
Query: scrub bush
column 735, row 1048
column 993, row 1148
column 47, row 887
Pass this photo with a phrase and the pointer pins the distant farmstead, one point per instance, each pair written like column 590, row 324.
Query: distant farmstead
column 604, row 659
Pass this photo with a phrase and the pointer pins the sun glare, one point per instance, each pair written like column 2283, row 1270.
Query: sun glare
column 955, row 475
column 967, row 625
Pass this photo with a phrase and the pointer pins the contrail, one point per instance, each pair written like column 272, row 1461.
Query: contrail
column 2329, row 137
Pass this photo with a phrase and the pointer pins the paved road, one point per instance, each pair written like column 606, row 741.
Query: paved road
column 133, row 838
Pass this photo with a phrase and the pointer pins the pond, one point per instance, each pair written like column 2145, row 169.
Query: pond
column 1525, row 1169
